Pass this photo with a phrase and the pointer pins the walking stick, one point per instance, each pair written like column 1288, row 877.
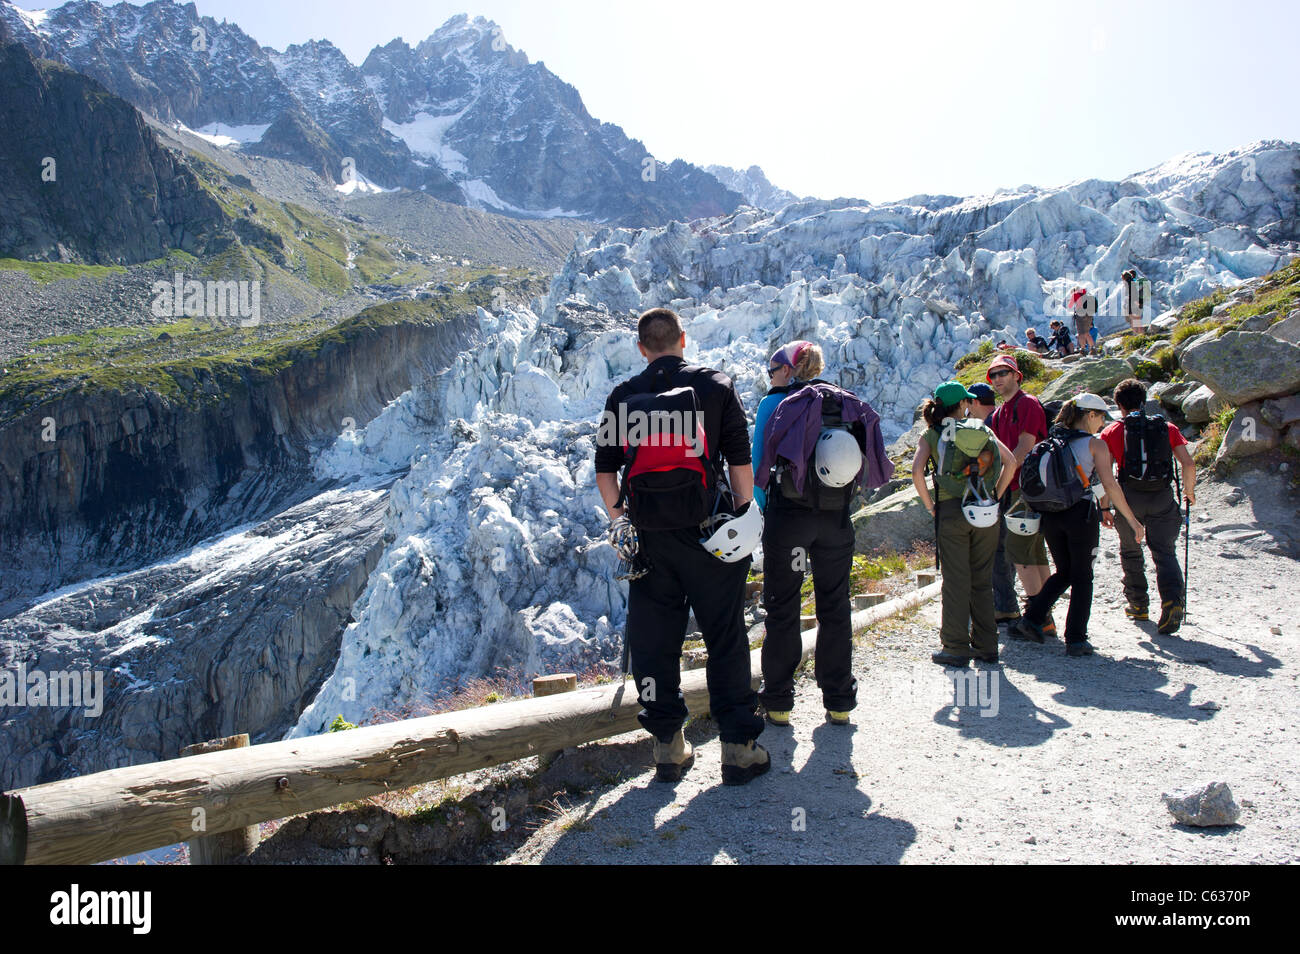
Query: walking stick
column 1187, row 534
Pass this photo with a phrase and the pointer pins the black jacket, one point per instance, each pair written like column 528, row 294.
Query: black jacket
column 725, row 427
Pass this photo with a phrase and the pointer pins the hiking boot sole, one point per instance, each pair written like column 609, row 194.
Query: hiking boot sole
column 740, row 775
column 673, row 771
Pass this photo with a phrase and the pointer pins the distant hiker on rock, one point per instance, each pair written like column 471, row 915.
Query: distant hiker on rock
column 671, row 426
column 817, row 445
column 1035, row 342
column 972, row 469
column 1083, row 306
column 1019, row 422
column 1067, row 480
column 1137, row 297
column 1060, row 341
column 1144, row 449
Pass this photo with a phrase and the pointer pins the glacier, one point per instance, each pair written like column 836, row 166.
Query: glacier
column 496, row 559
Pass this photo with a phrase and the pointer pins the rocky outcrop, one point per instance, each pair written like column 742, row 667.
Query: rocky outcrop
column 895, row 523
column 1244, row 366
column 232, row 637
column 1202, row 406
column 99, row 481
column 1248, row 434
column 87, row 179
column 1098, row 377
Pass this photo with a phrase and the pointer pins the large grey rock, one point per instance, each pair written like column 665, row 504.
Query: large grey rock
column 1202, row 405
column 1257, row 323
column 895, row 523
column 1248, row 435
column 1243, row 366
column 1207, row 807
column 1288, row 329
column 1281, row 413
column 1099, row 377
column 1171, row 393
column 1291, row 438
column 1186, row 343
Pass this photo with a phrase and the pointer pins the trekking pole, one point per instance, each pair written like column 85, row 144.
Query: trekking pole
column 1187, row 538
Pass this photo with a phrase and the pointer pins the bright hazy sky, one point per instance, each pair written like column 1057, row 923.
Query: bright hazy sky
column 878, row 100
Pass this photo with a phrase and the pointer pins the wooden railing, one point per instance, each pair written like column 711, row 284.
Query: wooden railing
column 106, row 815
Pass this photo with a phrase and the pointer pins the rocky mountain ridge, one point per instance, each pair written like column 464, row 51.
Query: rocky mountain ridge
column 462, row 115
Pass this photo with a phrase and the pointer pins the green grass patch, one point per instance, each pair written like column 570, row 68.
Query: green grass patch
column 46, row 272
column 196, row 361
column 1037, row 374
column 1183, row 332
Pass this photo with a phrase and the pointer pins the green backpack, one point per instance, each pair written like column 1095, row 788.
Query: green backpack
column 966, row 449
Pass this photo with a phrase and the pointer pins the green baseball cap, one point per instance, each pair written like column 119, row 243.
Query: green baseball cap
column 951, row 392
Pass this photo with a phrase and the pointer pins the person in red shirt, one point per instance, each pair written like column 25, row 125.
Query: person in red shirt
column 1148, row 488
column 1019, row 422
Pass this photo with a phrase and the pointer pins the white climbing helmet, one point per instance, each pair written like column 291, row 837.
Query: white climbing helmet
column 1023, row 523
column 979, row 511
column 730, row 538
column 838, row 459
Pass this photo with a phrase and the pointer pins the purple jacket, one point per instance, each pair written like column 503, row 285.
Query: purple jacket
column 795, row 425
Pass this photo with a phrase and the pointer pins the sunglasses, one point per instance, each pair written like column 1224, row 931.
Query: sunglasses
column 771, row 372
column 994, row 375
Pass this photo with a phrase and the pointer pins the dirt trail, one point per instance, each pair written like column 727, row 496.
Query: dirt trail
column 1049, row 759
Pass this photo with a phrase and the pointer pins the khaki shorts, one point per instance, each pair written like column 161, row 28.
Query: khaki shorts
column 1024, row 551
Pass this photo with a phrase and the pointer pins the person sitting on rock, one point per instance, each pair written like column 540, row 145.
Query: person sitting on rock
column 1060, row 341
column 1144, row 449
column 1035, row 342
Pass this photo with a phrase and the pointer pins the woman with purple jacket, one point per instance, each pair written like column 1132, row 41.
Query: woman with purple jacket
column 809, row 474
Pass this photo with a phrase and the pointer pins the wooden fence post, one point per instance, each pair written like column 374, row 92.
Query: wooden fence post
column 550, row 686
column 227, row 846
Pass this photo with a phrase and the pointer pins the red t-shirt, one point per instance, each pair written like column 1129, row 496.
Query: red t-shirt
column 1113, row 435
column 1023, row 413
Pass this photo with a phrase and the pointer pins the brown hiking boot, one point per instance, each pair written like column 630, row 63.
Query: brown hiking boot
column 1171, row 618
column 673, row 758
column 743, row 762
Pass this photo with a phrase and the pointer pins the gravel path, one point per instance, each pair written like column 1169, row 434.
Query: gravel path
column 1049, row 760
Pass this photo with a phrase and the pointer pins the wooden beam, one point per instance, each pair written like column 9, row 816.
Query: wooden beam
column 139, row 808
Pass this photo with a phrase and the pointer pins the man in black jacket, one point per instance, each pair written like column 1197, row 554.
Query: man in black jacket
column 683, row 576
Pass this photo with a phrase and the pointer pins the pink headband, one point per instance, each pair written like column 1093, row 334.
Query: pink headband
column 790, row 354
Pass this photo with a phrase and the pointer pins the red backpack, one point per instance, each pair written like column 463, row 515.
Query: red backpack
column 669, row 480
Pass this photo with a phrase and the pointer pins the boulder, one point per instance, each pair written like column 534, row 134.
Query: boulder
column 1257, row 322
column 1244, row 366
column 1171, row 393
column 1186, row 343
column 1288, row 329
column 1202, row 406
column 1099, row 377
column 1281, row 413
column 895, row 523
column 1248, row 435
column 1291, row 438
column 1210, row 806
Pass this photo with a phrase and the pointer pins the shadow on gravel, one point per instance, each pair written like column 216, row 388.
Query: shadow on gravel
column 1102, row 682
column 996, row 712
column 1195, row 653
column 817, row 815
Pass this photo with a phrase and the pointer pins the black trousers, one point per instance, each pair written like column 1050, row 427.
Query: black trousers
column 1072, row 537
column 793, row 540
column 685, row 577
column 1162, row 516
column 1005, row 603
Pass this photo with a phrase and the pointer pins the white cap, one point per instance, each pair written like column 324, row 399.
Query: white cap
column 1090, row 402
